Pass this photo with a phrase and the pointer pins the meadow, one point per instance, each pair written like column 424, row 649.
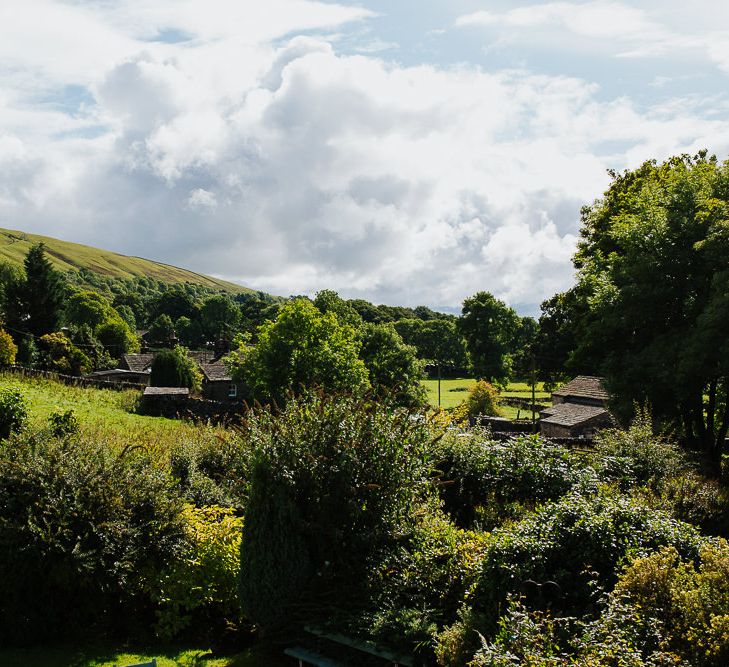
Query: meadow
column 454, row 391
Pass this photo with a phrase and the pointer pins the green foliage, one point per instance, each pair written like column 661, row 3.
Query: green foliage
column 162, row 331
column 198, row 589
column 578, row 541
column 13, row 411
column 219, row 317
column 654, row 279
column 85, row 307
column 81, row 528
column 420, row 586
column 333, row 482
column 487, row 481
column 175, row 368
column 435, row 340
column 490, row 328
column 482, row 400
column 42, row 293
column 64, row 423
column 116, row 336
column 328, row 301
column 59, row 354
column 676, row 607
column 8, row 349
column 302, row 348
column 393, row 367
column 637, row 457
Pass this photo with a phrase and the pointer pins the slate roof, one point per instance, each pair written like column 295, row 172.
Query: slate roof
column 216, row 372
column 584, row 386
column 139, row 363
column 571, row 414
column 114, row 371
column 166, row 391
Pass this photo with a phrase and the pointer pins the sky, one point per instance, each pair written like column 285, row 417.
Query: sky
column 406, row 152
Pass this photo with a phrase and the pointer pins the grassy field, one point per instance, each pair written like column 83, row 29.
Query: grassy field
column 108, row 656
column 66, row 255
column 453, row 392
column 103, row 411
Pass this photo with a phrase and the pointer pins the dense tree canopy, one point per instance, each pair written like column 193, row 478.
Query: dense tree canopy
column 489, row 327
column 303, row 347
column 653, row 264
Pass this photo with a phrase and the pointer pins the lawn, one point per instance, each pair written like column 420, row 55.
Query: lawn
column 104, row 412
column 454, row 391
column 108, row 656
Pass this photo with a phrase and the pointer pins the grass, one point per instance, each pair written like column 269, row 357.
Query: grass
column 108, row 656
column 105, row 413
column 65, row 255
column 454, row 391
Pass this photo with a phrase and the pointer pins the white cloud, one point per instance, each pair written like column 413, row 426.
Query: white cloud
column 293, row 167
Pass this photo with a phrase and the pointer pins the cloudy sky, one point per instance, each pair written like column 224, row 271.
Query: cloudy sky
column 404, row 151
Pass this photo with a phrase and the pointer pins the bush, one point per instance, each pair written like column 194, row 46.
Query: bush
column 13, row 411
column 637, row 457
column 84, row 532
column 420, row 586
column 482, row 400
column 212, row 469
column 199, row 590
column 579, row 542
column 675, row 606
column 64, row 423
column 484, row 482
column 333, row 483
column 8, row 349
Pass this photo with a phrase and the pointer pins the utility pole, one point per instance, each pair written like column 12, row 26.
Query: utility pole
column 534, row 387
column 439, row 384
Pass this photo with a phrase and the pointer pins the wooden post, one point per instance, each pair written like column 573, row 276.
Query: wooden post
column 534, row 383
column 439, row 384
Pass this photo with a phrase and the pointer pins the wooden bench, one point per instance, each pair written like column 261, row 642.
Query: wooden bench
column 304, row 656
column 151, row 663
column 363, row 646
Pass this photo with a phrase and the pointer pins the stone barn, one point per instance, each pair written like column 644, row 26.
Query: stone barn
column 579, row 409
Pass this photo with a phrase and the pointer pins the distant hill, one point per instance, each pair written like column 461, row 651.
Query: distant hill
column 67, row 256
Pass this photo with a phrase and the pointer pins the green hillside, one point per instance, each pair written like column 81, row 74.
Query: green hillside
column 68, row 256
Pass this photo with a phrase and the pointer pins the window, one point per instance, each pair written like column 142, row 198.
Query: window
column 233, row 391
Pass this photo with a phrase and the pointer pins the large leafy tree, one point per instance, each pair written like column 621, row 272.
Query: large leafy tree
column 302, row 347
column 394, row 368
column 653, row 264
column 490, row 328
column 437, row 341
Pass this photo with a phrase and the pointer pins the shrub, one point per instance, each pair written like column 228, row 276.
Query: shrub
column 421, row 585
column 8, row 349
column 83, row 534
column 333, row 482
column 198, row 590
column 13, row 411
column 211, row 469
column 485, row 481
column 579, row 542
column 64, row 423
column 61, row 355
column 482, row 399
column 637, row 457
column 699, row 501
column 677, row 607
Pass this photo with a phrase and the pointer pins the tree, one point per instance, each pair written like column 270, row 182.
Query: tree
column 175, row 368
column 162, row 331
column 85, row 307
column 303, row 347
column 116, row 336
column 523, row 346
column 489, row 327
column 219, row 317
column 393, row 367
column 436, row 340
column 34, row 302
column 328, row 301
column 61, row 355
column 652, row 262
column 175, row 303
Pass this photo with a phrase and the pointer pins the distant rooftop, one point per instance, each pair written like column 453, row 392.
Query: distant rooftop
column 583, row 386
column 570, row 414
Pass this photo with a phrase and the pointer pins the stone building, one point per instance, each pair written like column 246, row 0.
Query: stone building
column 579, row 409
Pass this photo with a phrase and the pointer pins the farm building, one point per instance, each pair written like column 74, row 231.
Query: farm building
column 579, row 408
column 120, row 375
column 217, row 384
